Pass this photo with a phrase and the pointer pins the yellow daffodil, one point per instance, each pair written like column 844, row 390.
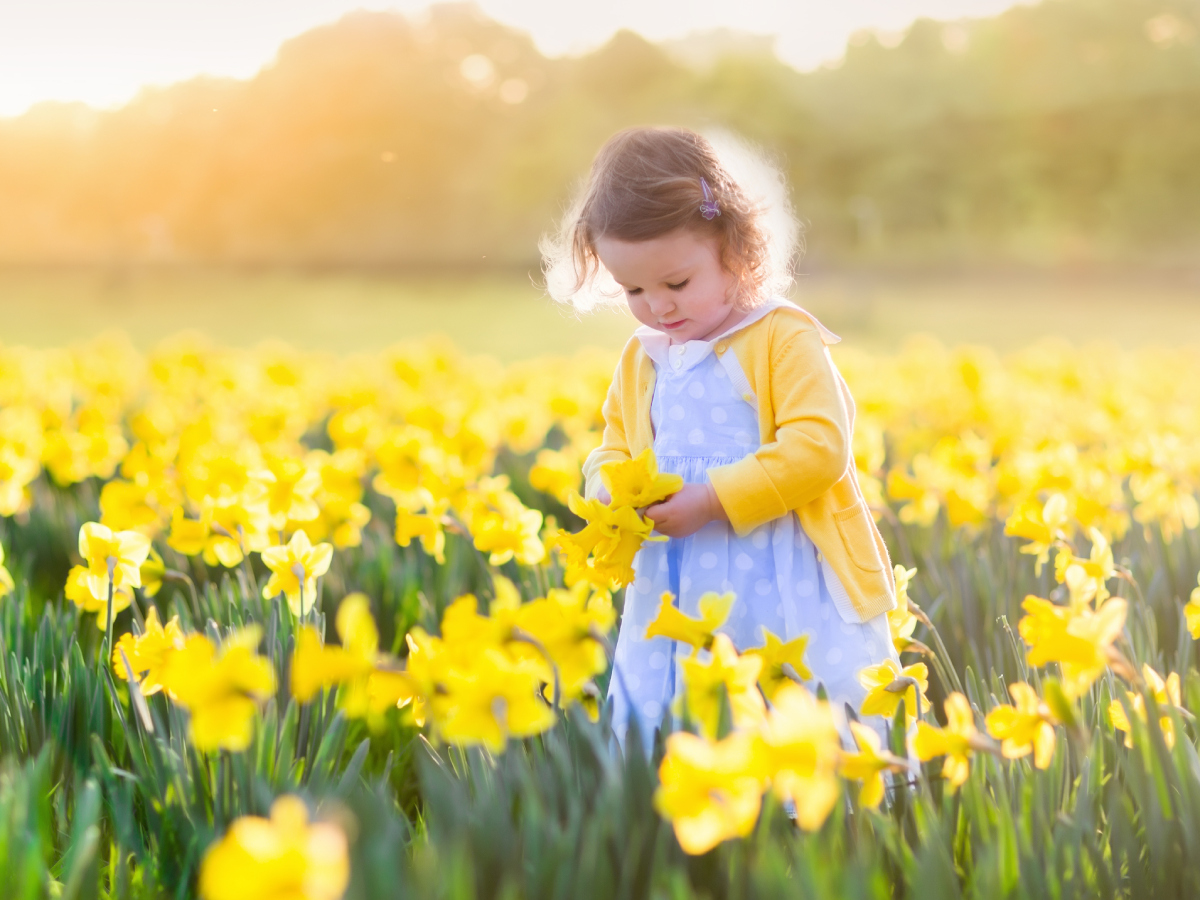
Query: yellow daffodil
column 284, row 857
column 492, row 700
column 903, row 578
column 149, row 652
column 238, row 525
column 126, row 505
column 636, row 482
column 189, row 536
column 727, row 674
column 111, row 555
column 798, row 748
column 612, row 538
column 290, row 485
column 6, row 580
column 699, row 633
column 953, row 742
column 776, row 655
column 1166, row 501
column 366, row 691
column 1165, row 693
column 505, row 529
column 295, row 568
column 1042, row 525
column 1086, row 578
column 867, row 765
column 427, row 527
column 220, row 688
column 1025, row 727
column 342, row 513
column 1192, row 611
column 152, row 572
column 555, row 472
column 566, row 623
column 922, row 503
column 79, row 592
column 901, row 622
column 316, row 666
column 887, row 688
column 710, row 791
column 17, row 470
column 1077, row 638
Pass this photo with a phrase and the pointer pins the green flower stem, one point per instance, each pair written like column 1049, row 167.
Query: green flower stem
column 108, row 613
column 521, row 636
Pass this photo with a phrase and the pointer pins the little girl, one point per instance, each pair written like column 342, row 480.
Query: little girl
column 733, row 387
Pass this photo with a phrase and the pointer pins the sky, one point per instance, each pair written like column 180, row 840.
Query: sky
column 102, row 51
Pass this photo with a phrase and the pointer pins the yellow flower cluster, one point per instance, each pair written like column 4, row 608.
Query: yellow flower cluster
column 485, row 677
column 964, row 433
column 602, row 552
column 712, row 782
column 213, row 448
column 783, row 738
column 1081, row 638
column 221, row 453
column 220, row 686
column 371, row 682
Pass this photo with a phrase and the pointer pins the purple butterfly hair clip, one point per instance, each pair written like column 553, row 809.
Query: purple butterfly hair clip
column 708, row 206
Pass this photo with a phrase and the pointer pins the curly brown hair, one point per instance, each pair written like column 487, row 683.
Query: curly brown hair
column 644, row 183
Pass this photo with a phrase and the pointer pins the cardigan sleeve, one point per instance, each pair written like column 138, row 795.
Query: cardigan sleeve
column 613, row 445
column 811, row 448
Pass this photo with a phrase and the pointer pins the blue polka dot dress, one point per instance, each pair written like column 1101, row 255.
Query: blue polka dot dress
column 703, row 417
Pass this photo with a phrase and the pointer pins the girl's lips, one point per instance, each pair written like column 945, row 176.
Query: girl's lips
column 671, row 326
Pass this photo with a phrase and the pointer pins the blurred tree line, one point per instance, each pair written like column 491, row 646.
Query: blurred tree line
column 1066, row 131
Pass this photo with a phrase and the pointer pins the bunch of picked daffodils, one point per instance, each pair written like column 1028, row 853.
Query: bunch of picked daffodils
column 602, row 552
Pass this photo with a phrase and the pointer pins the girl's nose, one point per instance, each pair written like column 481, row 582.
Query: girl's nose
column 661, row 303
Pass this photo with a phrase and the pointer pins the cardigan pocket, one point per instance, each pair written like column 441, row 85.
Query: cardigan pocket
column 857, row 533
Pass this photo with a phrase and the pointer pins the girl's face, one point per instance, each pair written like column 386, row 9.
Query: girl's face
column 674, row 283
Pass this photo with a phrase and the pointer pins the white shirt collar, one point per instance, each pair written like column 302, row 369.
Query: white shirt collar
column 680, row 357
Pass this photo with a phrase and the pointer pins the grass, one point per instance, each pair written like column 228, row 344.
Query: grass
column 504, row 314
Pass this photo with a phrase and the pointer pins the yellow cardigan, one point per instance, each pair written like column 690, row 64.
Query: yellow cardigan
column 804, row 463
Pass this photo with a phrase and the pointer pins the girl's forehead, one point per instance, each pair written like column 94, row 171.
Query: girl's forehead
column 656, row 258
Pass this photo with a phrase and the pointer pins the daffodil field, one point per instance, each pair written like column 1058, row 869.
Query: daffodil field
column 277, row 624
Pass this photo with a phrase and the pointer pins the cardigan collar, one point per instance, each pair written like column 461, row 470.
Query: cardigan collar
column 681, row 357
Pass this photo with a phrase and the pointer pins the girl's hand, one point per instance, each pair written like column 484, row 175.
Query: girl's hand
column 687, row 511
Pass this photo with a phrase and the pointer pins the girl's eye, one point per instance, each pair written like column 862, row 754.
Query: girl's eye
column 680, row 286
column 634, row 291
